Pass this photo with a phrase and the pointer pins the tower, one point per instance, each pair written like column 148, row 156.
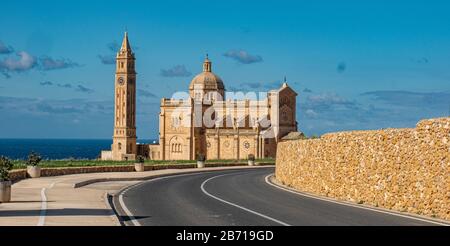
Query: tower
column 124, row 138
column 207, row 85
column 207, row 64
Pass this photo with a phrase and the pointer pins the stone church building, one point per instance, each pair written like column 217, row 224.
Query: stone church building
column 203, row 121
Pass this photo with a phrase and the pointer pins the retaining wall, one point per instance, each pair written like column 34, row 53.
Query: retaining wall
column 401, row 169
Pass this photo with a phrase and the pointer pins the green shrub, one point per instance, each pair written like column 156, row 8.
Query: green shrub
column 5, row 166
column 201, row 157
column 140, row 159
column 34, row 159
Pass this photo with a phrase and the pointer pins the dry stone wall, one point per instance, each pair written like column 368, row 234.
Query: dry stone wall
column 401, row 169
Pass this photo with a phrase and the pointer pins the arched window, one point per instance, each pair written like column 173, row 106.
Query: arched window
column 120, row 146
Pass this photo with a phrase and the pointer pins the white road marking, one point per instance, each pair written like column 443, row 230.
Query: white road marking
column 235, row 205
column 127, row 211
column 125, row 208
column 41, row 221
column 350, row 205
column 43, row 212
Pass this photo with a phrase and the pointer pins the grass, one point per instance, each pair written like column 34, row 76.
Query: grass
column 21, row 164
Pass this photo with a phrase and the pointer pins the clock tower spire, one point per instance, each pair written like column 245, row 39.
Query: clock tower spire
column 124, row 137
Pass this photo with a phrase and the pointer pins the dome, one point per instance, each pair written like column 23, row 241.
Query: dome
column 207, row 80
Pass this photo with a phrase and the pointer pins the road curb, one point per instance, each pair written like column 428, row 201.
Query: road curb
column 107, row 198
column 98, row 180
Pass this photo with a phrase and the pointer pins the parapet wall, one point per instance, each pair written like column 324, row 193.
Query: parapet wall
column 402, row 169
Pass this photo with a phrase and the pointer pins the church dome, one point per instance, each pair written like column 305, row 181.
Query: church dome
column 207, row 80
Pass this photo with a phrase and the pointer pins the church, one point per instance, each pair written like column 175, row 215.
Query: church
column 206, row 120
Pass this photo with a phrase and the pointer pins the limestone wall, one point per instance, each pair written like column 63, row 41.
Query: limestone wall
column 401, row 169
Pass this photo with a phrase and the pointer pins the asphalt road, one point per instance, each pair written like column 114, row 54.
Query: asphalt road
column 238, row 197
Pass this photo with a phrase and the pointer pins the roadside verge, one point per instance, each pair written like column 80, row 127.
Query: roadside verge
column 271, row 180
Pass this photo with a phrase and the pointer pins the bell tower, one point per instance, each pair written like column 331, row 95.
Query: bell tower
column 124, row 138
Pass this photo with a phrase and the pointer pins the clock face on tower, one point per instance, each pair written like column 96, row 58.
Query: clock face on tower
column 121, row 81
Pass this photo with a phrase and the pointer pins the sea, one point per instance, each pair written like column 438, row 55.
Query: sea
column 55, row 149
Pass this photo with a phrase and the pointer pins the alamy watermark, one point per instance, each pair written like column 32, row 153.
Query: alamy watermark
column 238, row 110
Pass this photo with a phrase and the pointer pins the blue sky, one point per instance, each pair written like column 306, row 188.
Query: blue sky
column 355, row 64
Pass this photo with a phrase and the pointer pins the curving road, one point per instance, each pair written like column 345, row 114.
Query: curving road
column 239, row 197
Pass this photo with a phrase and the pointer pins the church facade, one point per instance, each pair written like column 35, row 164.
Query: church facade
column 205, row 120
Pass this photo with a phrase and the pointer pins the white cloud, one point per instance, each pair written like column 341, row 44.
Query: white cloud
column 107, row 59
column 243, row 56
column 25, row 62
column 176, row 71
column 311, row 113
column 327, row 98
column 48, row 63
column 4, row 49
